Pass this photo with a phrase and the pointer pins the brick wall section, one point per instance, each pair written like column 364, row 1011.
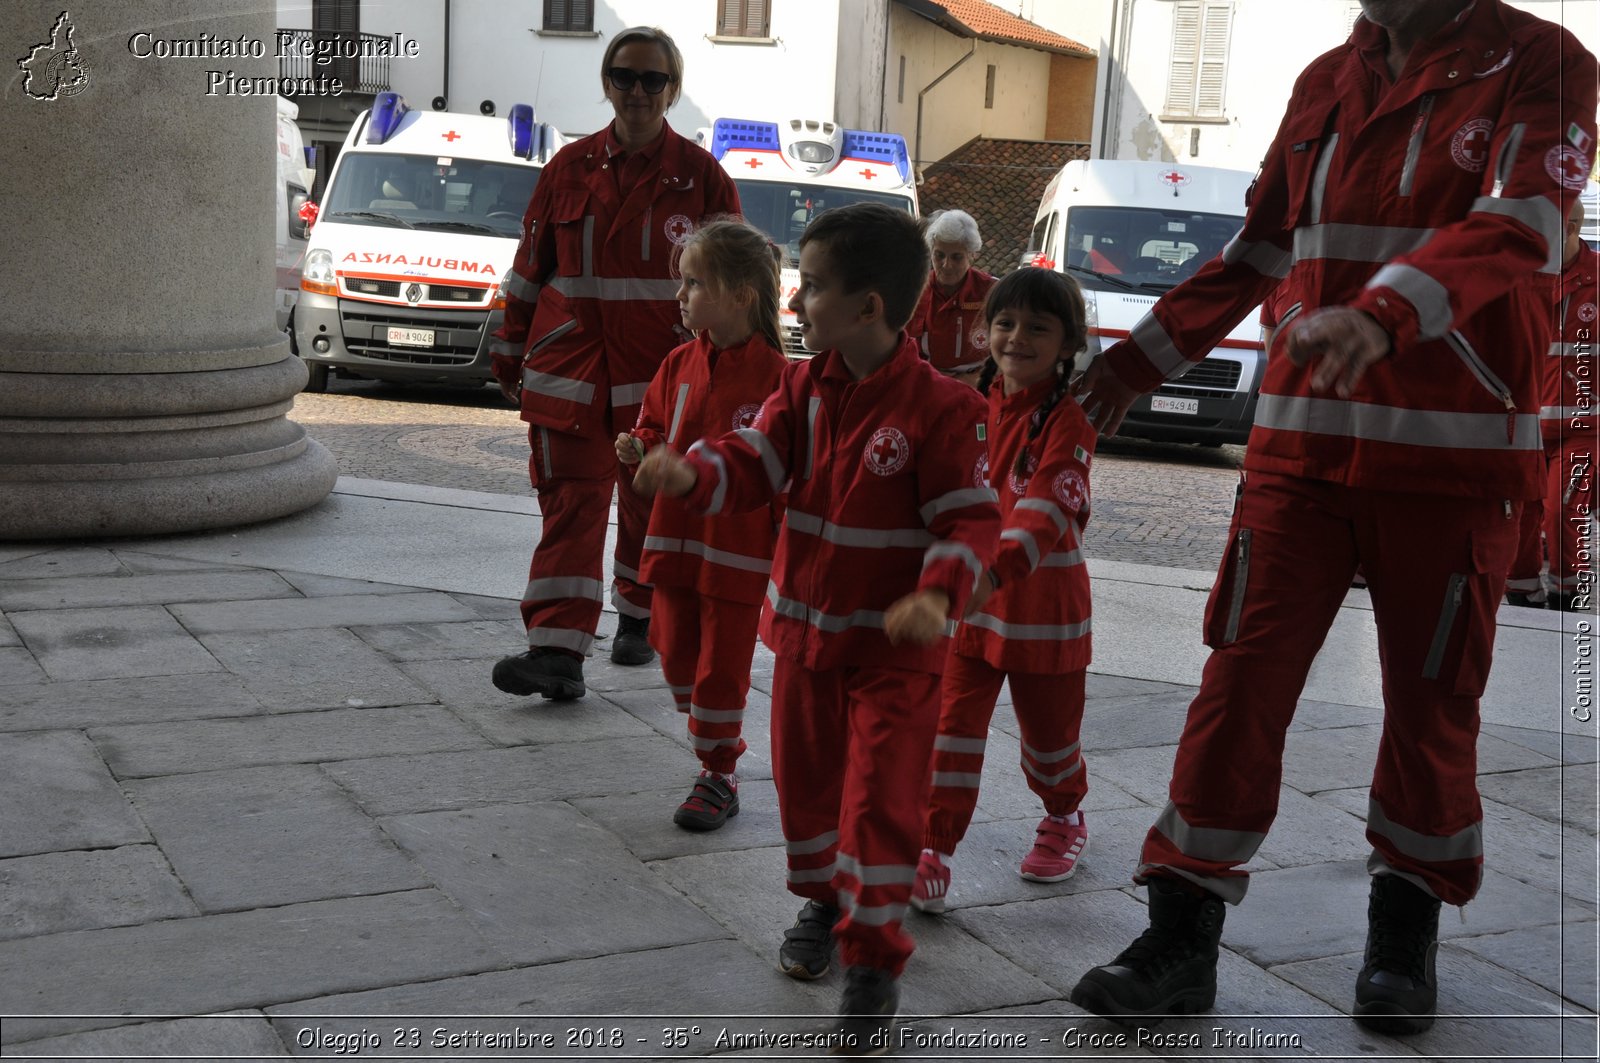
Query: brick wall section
column 999, row 183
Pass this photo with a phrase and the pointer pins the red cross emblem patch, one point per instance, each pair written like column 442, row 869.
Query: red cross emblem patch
column 1566, row 164
column 1070, row 490
column 678, row 227
column 746, row 416
column 887, row 451
column 1019, row 484
column 980, row 471
column 1173, row 179
column 1470, row 145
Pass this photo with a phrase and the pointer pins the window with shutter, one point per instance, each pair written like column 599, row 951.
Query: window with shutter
column 1198, row 76
column 569, row 16
column 744, row 18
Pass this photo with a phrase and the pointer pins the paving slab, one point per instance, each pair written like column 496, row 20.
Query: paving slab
column 314, row 586
column 240, row 1035
column 1337, row 758
column 1559, row 957
column 111, row 591
column 17, row 667
column 656, row 708
column 12, row 552
column 141, row 750
column 1122, row 723
column 1100, row 685
column 56, row 892
column 1053, row 1028
column 1004, row 793
column 119, row 643
column 507, row 720
column 1563, row 795
column 389, row 786
column 316, row 669
column 138, row 561
column 341, row 610
column 643, row 821
column 8, row 634
column 58, row 983
column 1485, row 1012
column 269, row 836
column 1142, row 773
column 471, row 639
column 57, row 562
column 508, row 867
column 58, row 795
column 492, row 608
column 151, row 699
column 1567, row 748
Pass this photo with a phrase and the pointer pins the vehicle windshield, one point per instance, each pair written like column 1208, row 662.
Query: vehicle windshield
column 424, row 191
column 782, row 209
column 1153, row 249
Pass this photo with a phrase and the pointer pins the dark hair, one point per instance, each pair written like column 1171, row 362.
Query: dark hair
column 733, row 255
column 1039, row 291
column 649, row 35
column 875, row 248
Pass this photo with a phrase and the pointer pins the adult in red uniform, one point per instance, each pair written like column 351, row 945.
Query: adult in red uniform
column 1568, row 421
column 591, row 312
column 1412, row 198
column 948, row 322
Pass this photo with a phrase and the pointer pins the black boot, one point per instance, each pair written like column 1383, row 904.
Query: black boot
column 807, row 949
column 1397, row 991
column 866, row 1012
column 543, row 671
column 1534, row 600
column 631, row 645
column 1171, row 969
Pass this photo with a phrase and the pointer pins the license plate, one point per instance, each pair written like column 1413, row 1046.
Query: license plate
column 411, row 337
column 1168, row 404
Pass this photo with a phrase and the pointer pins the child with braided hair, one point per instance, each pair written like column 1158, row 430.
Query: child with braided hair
column 1029, row 621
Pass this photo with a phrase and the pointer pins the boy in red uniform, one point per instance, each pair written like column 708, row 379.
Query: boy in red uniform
column 889, row 524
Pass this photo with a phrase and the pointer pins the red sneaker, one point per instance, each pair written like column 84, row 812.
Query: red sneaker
column 933, row 883
column 1056, row 849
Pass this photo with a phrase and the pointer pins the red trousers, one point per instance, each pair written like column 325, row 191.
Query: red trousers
column 576, row 478
column 851, row 750
column 1049, row 712
column 706, row 645
column 1569, row 507
column 1436, row 568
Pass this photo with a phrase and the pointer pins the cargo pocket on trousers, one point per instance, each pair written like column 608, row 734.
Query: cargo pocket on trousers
column 1463, row 636
column 1226, row 604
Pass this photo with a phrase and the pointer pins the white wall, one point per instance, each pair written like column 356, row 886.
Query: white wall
column 864, row 67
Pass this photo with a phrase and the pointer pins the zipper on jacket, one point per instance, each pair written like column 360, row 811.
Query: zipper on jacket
column 1241, row 576
column 1508, row 158
column 1454, row 591
column 1419, row 130
column 1493, row 384
column 553, row 335
column 1288, row 316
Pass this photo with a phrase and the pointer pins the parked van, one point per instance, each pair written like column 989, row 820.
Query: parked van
column 292, row 191
column 789, row 172
column 1129, row 231
column 421, row 220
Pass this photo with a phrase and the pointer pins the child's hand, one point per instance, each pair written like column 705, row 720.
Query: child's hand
column 628, row 449
column 980, row 593
column 918, row 618
column 663, row 470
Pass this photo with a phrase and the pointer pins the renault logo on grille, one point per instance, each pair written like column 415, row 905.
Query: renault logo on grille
column 413, row 293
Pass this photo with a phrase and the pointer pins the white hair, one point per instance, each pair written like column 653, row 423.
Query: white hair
column 954, row 227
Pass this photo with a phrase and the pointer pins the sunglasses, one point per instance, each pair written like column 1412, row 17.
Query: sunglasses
column 623, row 80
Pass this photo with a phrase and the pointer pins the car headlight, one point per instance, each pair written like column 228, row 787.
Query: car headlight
column 317, row 274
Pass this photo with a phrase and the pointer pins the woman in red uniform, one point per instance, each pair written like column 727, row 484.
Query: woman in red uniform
column 591, row 311
column 948, row 322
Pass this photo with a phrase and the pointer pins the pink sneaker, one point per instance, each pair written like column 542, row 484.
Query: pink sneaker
column 933, row 883
column 1055, row 852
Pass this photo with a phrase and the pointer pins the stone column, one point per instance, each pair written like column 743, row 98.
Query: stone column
column 144, row 386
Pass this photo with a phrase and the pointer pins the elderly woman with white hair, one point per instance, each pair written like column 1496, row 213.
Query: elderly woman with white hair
column 949, row 321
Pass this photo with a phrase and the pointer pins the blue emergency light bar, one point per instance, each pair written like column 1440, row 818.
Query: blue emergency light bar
column 736, row 134
column 879, row 147
column 526, row 136
column 388, row 108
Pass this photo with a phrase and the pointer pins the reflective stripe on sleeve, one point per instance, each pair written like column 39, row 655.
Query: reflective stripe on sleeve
column 1029, row 546
column 1157, row 346
column 1044, row 505
column 516, row 286
column 960, row 551
column 1430, row 298
column 969, row 496
column 1266, row 259
column 1538, row 214
column 770, row 461
column 719, row 494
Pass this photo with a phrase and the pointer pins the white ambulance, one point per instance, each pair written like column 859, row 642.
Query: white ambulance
column 789, row 172
column 1129, row 231
column 421, row 220
column 292, row 190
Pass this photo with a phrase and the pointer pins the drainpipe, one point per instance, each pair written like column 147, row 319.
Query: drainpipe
column 971, row 48
column 1116, row 76
column 445, row 92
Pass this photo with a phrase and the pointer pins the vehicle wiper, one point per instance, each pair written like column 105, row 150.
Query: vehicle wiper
column 369, row 214
column 1107, row 277
column 468, row 226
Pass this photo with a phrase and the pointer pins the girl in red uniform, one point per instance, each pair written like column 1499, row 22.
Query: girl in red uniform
column 710, row 572
column 1030, row 623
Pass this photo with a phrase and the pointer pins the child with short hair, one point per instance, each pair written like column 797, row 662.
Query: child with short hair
column 710, row 572
column 1034, row 634
column 889, row 524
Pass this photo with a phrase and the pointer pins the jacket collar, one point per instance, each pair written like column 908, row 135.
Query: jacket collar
column 904, row 360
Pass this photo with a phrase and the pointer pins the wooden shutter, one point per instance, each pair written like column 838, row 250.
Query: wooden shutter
column 743, row 18
column 1212, row 77
column 573, row 16
column 1198, row 76
column 1185, row 53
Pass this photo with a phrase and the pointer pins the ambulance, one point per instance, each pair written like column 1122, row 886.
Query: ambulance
column 422, row 216
column 290, row 193
column 789, row 172
column 1129, row 231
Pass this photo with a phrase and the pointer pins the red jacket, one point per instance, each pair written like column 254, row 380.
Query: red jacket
column 886, row 496
column 951, row 328
column 591, row 302
column 1430, row 205
column 1038, row 621
column 698, row 392
column 1570, row 380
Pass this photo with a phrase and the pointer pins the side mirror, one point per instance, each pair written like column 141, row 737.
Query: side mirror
column 302, row 216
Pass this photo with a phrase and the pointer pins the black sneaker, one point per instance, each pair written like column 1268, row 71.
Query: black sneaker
column 631, row 644
column 549, row 673
column 1170, row 969
column 807, row 949
column 1397, row 991
column 866, row 1013
column 1535, row 600
column 711, row 802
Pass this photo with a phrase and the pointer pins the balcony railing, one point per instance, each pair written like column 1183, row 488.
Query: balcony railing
column 305, row 55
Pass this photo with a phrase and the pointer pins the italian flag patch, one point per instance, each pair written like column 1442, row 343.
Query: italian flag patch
column 1080, row 455
column 983, row 432
column 1578, row 138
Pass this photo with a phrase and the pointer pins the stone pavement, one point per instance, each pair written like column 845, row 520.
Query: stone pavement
column 260, row 800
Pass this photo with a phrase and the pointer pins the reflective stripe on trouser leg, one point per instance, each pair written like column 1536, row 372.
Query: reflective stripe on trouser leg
column 1049, row 710
column 630, row 596
column 1426, row 818
column 574, row 480
column 967, row 696
column 1277, row 609
column 711, row 641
